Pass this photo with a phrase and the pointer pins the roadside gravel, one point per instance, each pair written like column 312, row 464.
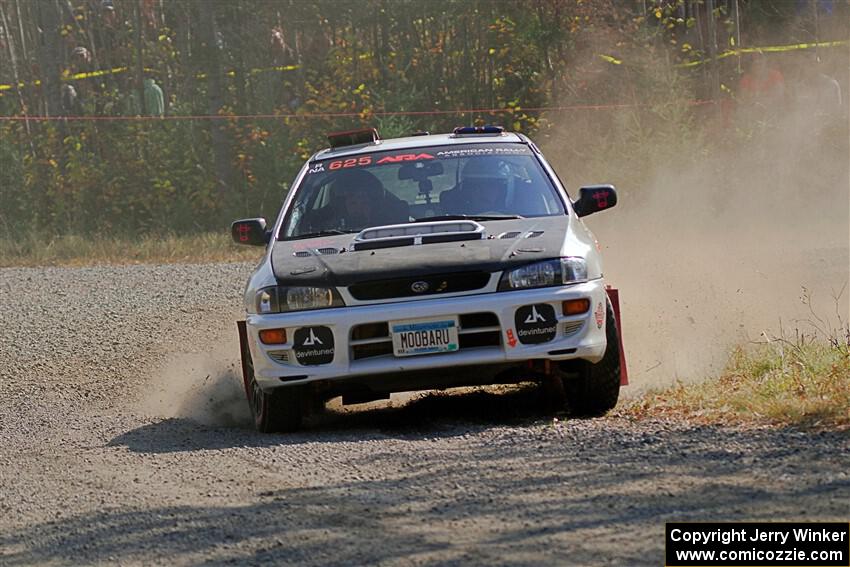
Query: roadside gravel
column 123, row 440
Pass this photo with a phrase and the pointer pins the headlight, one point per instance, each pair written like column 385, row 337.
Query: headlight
column 543, row 274
column 280, row 299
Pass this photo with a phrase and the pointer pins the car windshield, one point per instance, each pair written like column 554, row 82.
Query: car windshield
column 490, row 181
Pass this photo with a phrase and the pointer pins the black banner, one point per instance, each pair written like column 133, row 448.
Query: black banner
column 536, row 323
column 314, row 345
column 758, row 544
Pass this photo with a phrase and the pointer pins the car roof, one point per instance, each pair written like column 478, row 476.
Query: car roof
column 415, row 142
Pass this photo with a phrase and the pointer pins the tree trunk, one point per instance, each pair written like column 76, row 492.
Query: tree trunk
column 215, row 96
column 51, row 58
column 714, row 66
column 140, row 66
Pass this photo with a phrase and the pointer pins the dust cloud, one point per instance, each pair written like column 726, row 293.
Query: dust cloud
column 203, row 386
column 737, row 235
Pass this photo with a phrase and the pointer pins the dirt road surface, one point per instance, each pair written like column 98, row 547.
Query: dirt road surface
column 124, row 440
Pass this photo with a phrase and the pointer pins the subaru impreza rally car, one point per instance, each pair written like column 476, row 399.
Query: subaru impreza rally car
column 427, row 262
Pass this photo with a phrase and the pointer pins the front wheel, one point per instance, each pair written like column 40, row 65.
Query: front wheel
column 277, row 410
column 596, row 387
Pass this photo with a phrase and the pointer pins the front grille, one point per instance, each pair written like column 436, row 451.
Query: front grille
column 476, row 330
column 474, row 340
column 371, row 350
column 403, row 287
column 478, row 320
column 370, row 331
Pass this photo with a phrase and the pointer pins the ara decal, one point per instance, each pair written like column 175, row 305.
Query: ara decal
column 404, row 157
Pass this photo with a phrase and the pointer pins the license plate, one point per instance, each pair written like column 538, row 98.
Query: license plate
column 424, row 336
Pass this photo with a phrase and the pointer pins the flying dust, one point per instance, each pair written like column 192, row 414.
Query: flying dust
column 728, row 234
column 204, row 385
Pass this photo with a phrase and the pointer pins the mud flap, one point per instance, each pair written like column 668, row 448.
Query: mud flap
column 614, row 296
column 245, row 357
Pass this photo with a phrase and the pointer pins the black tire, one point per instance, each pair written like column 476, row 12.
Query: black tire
column 593, row 389
column 274, row 411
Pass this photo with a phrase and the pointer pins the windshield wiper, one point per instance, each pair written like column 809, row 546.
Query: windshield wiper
column 469, row 217
column 329, row 232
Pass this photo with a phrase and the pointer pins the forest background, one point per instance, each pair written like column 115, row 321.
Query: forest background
column 612, row 89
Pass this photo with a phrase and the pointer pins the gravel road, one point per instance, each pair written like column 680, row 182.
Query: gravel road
column 124, row 440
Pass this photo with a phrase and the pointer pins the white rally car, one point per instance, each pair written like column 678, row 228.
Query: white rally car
column 427, row 262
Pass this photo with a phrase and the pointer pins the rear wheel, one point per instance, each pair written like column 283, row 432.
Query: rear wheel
column 593, row 389
column 277, row 410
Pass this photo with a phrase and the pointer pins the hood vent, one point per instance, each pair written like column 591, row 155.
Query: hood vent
column 413, row 234
column 534, row 234
column 511, row 234
column 316, row 252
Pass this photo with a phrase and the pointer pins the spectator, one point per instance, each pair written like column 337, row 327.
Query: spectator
column 154, row 101
column 762, row 84
column 761, row 94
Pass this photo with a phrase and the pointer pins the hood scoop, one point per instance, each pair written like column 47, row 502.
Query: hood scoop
column 414, row 234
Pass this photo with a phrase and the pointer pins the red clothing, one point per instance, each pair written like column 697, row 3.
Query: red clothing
column 753, row 85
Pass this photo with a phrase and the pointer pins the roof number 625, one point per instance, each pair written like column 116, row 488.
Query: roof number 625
column 350, row 162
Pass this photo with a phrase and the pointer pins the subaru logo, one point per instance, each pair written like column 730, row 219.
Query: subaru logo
column 419, row 287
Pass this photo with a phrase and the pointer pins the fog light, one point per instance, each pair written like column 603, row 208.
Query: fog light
column 576, row 306
column 273, row 336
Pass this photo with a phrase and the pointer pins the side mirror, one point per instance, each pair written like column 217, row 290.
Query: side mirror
column 594, row 198
column 250, row 231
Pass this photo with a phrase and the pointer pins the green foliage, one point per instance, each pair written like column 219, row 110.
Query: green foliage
column 320, row 66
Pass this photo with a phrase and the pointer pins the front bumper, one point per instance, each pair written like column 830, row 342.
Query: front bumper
column 494, row 342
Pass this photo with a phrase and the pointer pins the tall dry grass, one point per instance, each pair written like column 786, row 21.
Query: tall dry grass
column 33, row 249
column 799, row 378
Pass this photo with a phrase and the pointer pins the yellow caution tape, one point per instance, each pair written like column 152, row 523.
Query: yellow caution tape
column 610, row 59
column 732, row 52
column 117, row 70
column 769, row 49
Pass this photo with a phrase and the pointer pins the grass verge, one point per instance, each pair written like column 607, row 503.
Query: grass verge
column 803, row 383
column 70, row 250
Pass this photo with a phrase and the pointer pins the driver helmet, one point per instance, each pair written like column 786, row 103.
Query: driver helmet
column 485, row 167
column 358, row 195
column 484, row 181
